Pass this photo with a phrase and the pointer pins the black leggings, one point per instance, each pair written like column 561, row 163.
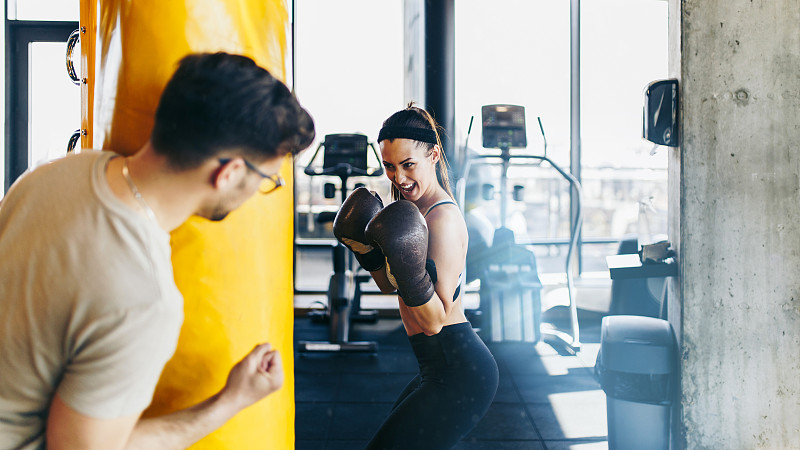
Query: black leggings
column 456, row 384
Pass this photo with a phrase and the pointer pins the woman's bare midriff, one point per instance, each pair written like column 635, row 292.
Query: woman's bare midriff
column 456, row 316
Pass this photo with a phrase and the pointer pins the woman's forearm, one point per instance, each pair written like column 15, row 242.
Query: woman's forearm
column 431, row 316
column 382, row 281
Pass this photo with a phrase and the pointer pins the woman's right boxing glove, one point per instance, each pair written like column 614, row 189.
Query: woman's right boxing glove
column 399, row 230
column 351, row 221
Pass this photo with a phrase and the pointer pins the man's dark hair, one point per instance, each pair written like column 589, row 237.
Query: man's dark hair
column 218, row 102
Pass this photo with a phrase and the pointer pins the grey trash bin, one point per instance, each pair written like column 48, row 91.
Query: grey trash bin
column 636, row 367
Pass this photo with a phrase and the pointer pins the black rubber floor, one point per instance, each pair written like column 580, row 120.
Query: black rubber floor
column 547, row 399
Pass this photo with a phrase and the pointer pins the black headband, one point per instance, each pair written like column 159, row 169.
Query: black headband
column 413, row 133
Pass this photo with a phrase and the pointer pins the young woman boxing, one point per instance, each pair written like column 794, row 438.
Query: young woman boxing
column 417, row 246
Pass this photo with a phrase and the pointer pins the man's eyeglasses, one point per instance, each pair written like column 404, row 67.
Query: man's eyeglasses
column 268, row 182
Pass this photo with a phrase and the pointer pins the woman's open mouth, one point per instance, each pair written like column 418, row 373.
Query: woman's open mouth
column 406, row 188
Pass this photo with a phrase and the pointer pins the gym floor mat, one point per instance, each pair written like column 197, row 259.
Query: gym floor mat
column 547, row 399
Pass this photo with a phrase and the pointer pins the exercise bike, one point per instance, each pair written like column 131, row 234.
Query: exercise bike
column 345, row 156
column 512, row 264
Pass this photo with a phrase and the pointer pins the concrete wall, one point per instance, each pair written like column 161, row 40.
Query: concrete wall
column 735, row 221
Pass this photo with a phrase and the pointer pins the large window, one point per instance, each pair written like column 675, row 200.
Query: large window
column 518, row 52
column 349, row 75
column 54, row 103
column 623, row 48
column 49, row 10
column 42, row 103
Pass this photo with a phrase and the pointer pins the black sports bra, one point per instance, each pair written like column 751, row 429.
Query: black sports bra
column 430, row 266
column 443, row 202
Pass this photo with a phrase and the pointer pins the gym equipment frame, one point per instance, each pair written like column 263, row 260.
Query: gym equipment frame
column 345, row 156
column 504, row 128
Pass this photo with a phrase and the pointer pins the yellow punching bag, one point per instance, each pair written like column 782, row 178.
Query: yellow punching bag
column 236, row 275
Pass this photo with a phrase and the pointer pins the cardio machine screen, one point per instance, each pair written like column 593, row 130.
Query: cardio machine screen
column 350, row 149
column 504, row 126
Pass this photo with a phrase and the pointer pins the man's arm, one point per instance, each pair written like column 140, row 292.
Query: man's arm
column 69, row 429
column 257, row 375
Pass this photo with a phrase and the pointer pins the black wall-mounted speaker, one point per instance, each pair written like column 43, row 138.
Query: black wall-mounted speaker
column 660, row 113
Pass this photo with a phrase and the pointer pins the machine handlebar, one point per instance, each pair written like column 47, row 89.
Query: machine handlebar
column 342, row 170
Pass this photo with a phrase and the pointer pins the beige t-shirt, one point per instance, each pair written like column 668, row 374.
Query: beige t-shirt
column 88, row 304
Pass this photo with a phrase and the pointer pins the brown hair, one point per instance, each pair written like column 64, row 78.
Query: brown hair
column 414, row 117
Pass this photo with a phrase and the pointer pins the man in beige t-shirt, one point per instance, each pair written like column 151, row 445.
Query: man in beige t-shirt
column 89, row 310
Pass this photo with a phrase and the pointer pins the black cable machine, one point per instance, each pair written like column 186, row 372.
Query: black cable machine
column 503, row 128
column 345, row 156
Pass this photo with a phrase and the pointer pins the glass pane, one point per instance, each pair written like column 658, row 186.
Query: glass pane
column 623, row 48
column 66, row 10
column 54, row 103
column 517, row 52
column 316, row 261
column 349, row 75
column 349, row 69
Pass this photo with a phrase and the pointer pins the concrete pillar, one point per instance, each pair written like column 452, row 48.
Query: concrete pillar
column 735, row 222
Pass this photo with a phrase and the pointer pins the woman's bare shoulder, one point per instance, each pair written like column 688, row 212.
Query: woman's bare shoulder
column 446, row 222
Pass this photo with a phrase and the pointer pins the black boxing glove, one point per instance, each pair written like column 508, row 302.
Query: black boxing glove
column 351, row 220
column 399, row 230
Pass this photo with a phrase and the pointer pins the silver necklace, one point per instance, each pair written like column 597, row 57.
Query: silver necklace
column 136, row 194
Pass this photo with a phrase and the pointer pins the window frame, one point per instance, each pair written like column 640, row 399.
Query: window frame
column 19, row 34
